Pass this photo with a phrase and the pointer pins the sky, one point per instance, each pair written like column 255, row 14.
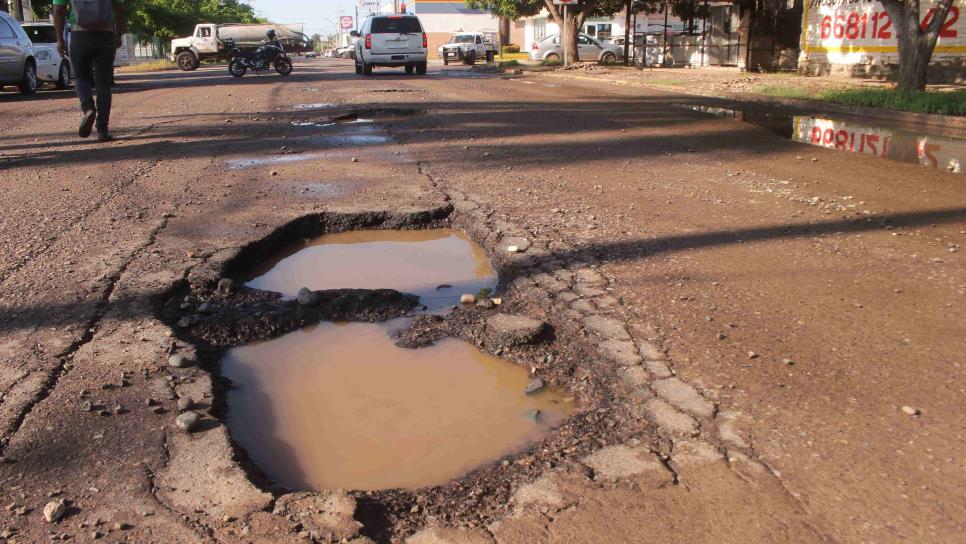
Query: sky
column 319, row 16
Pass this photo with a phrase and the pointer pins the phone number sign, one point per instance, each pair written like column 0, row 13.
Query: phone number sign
column 864, row 26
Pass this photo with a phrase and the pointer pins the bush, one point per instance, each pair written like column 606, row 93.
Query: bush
column 511, row 48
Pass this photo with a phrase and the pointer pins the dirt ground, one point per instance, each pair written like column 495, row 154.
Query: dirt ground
column 778, row 330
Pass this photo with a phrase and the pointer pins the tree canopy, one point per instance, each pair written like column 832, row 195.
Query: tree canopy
column 172, row 18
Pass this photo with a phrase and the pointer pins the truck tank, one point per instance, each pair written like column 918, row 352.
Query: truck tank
column 255, row 34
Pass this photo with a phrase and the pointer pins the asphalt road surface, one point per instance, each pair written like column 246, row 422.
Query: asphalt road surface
column 815, row 299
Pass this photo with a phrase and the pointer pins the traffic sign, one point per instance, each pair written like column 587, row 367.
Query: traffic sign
column 345, row 22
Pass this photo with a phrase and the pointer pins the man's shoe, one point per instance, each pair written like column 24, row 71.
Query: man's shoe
column 87, row 123
column 104, row 136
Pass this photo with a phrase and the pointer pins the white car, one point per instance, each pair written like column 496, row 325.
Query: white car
column 391, row 40
column 51, row 67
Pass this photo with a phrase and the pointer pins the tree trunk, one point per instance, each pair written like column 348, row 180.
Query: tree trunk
column 916, row 44
column 627, row 31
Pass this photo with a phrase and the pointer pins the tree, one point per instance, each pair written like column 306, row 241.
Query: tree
column 577, row 14
column 916, row 41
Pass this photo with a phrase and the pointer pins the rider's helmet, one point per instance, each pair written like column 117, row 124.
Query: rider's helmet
column 270, row 33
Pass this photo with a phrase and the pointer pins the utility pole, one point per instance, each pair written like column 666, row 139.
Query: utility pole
column 667, row 8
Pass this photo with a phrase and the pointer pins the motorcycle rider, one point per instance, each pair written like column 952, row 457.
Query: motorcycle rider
column 266, row 53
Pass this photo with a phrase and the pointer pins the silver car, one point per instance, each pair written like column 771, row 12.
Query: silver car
column 588, row 48
column 17, row 63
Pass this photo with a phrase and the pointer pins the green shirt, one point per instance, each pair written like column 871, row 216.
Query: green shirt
column 72, row 17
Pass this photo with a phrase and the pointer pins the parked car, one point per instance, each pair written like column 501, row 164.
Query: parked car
column 346, row 52
column 18, row 65
column 391, row 40
column 51, row 66
column 468, row 47
column 588, row 48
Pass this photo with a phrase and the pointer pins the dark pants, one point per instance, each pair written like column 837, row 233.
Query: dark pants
column 92, row 56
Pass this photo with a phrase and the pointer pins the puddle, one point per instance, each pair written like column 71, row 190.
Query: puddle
column 930, row 150
column 339, row 406
column 241, row 164
column 316, row 106
column 329, row 123
column 420, row 262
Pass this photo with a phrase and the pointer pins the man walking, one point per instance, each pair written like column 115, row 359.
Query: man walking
column 96, row 30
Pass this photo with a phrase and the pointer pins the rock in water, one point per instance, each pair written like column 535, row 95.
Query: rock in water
column 187, row 421
column 54, row 510
column 534, row 386
column 307, row 297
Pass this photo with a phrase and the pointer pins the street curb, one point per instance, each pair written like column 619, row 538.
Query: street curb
column 926, row 119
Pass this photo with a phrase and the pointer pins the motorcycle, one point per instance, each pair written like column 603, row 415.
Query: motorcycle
column 272, row 54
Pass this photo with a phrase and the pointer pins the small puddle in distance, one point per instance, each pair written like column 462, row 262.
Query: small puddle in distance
column 854, row 136
column 316, row 106
column 339, row 406
column 437, row 265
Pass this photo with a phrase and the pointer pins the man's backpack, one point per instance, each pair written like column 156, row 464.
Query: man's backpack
column 93, row 14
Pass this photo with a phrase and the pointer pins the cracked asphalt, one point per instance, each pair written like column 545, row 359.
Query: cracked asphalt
column 789, row 305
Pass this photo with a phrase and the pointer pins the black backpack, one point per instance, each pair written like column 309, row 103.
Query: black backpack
column 93, row 14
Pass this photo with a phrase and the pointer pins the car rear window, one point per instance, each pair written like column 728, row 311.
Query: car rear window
column 41, row 34
column 396, row 25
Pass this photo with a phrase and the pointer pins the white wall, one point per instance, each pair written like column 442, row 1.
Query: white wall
column 450, row 23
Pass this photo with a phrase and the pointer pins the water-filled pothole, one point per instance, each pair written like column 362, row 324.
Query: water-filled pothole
column 856, row 136
column 340, row 406
column 438, row 265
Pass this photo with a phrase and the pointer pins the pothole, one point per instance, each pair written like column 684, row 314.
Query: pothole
column 339, row 406
column 437, row 265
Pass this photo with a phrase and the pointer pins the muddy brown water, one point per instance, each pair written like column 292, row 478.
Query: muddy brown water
column 339, row 406
column 437, row 265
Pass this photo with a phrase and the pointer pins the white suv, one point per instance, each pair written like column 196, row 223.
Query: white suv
column 391, row 40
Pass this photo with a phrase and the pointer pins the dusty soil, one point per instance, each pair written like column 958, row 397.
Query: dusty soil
column 767, row 339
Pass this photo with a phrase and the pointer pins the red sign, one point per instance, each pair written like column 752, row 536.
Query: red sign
column 345, row 22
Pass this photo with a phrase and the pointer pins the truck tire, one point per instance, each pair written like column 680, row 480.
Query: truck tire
column 445, row 61
column 358, row 69
column 421, row 68
column 410, row 68
column 366, row 69
column 187, row 61
column 489, row 56
column 470, row 59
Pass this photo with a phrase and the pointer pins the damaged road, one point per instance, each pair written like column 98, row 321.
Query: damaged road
column 761, row 347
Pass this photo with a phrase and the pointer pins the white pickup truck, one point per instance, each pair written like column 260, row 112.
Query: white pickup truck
column 207, row 41
column 469, row 47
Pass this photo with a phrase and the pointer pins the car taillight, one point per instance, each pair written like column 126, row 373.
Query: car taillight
column 425, row 42
column 368, row 41
column 536, row 46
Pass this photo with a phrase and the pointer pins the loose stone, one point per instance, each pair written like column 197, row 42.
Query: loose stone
column 185, row 403
column 178, row 360
column 534, row 386
column 187, row 421
column 752, row 355
column 54, row 510
column 468, row 299
column 307, row 297
column 513, row 330
column 911, row 411
column 226, row 285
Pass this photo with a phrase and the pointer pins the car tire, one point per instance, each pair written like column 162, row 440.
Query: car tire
column 63, row 76
column 366, row 69
column 552, row 58
column 29, row 83
column 410, row 68
column 608, row 58
column 445, row 61
column 187, row 61
column 421, row 68
column 358, row 69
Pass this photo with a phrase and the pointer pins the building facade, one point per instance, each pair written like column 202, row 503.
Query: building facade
column 441, row 18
